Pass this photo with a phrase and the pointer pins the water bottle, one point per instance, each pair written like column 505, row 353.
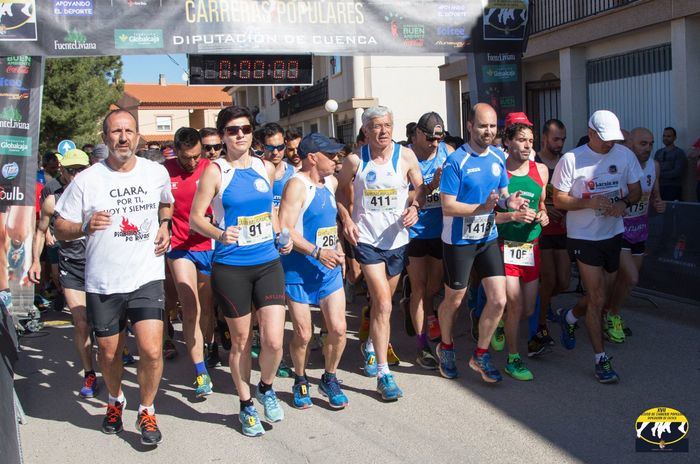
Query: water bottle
column 283, row 238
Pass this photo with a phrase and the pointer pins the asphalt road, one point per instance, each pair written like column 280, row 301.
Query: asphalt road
column 564, row 415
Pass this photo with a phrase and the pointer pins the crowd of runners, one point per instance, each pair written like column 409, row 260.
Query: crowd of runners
column 243, row 229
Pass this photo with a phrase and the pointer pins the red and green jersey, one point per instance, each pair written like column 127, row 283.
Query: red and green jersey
column 530, row 186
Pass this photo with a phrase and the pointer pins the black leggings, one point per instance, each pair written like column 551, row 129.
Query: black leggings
column 236, row 288
column 458, row 260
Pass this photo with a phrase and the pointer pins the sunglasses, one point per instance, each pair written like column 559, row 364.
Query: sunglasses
column 433, row 138
column 272, row 148
column 74, row 171
column 215, row 147
column 233, row 130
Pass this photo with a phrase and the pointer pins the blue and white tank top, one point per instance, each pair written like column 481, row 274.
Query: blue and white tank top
column 317, row 223
column 429, row 223
column 380, row 196
column 245, row 200
column 278, row 186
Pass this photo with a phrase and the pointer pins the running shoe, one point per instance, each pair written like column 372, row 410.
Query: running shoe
column 386, row 386
column 41, row 302
column 112, row 422
column 211, row 357
column 302, row 399
column 204, row 386
column 255, row 348
column 475, row 324
column 90, row 386
column 363, row 334
column 426, row 360
column 224, row 334
column 483, row 365
column 536, row 346
column 370, row 360
column 15, row 258
column 568, row 331
column 498, row 341
column 604, row 371
column 405, row 304
column 127, row 358
column 147, row 424
column 284, row 371
column 553, row 316
column 169, row 350
column 547, row 339
column 330, row 388
column 448, row 366
column 518, row 370
column 250, row 422
column 391, row 358
column 273, row 410
column 434, row 329
column 614, row 328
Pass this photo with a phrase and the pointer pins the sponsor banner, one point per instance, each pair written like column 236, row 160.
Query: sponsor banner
column 399, row 27
column 499, row 82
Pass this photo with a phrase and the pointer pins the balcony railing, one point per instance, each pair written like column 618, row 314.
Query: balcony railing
column 310, row 97
column 548, row 14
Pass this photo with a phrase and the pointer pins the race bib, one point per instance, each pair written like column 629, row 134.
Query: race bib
column 380, row 200
column 477, row 227
column 327, row 237
column 640, row 208
column 521, row 254
column 254, row 229
column 613, row 195
column 432, row 200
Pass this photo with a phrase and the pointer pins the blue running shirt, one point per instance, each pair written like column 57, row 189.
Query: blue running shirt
column 429, row 223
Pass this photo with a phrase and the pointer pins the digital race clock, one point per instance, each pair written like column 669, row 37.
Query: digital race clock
column 250, row 69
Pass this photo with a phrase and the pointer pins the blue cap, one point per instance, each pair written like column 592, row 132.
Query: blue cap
column 315, row 142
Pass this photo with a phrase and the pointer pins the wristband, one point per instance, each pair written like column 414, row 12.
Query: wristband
column 221, row 237
column 502, row 203
column 169, row 221
column 85, row 226
column 314, row 252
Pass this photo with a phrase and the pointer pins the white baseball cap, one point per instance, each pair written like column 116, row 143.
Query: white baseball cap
column 606, row 125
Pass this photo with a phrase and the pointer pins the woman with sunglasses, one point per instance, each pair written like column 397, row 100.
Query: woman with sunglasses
column 247, row 269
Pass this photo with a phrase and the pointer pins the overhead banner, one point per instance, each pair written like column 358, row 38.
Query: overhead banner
column 376, row 27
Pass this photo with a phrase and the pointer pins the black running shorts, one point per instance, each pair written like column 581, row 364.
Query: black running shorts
column 458, row 260
column 107, row 313
column 236, row 288
column 598, row 253
column 422, row 247
column 71, row 273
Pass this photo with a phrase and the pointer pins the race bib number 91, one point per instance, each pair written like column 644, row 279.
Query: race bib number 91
column 380, row 200
column 327, row 237
column 477, row 227
column 518, row 253
column 254, row 229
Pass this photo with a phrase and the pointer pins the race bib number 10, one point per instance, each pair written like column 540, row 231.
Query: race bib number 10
column 477, row 227
column 327, row 237
column 254, row 229
column 521, row 254
column 379, row 200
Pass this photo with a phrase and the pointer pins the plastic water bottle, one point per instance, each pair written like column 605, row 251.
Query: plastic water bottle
column 283, row 238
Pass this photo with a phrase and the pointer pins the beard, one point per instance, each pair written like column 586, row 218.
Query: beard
column 123, row 156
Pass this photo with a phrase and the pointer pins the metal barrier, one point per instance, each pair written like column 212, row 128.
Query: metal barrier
column 548, row 14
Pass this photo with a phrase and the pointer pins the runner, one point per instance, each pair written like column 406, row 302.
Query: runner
column 123, row 206
column 634, row 238
column 189, row 258
column 313, row 271
column 292, row 139
column 374, row 187
column 425, row 248
column 596, row 183
column 474, row 181
column 555, row 268
column 518, row 233
column 246, row 269
column 71, row 262
column 211, row 143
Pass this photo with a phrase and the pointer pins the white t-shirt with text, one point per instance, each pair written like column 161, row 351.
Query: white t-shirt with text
column 583, row 173
column 121, row 258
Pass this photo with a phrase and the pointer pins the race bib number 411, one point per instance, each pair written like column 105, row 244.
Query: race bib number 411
column 254, row 229
column 477, row 227
column 379, row 200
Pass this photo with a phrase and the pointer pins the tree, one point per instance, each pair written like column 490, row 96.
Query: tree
column 77, row 95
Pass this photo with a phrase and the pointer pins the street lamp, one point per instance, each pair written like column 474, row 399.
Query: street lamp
column 332, row 106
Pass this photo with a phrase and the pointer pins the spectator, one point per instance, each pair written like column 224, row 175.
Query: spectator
column 292, row 139
column 88, row 148
column 673, row 163
column 153, row 146
column 410, row 133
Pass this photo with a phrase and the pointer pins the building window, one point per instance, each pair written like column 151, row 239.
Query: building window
column 164, row 123
column 336, row 65
column 314, row 128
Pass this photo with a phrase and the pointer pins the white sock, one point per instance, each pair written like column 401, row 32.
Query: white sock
column 151, row 409
column 599, row 356
column 369, row 346
column 570, row 318
column 382, row 370
column 119, row 399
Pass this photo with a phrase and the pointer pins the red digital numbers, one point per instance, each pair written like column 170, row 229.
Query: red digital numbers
column 225, row 69
column 292, row 69
column 244, row 69
column 259, row 69
column 278, row 69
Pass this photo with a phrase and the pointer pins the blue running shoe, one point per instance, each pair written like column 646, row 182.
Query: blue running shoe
column 302, row 399
column 127, row 358
column 90, row 386
column 204, row 386
column 604, row 371
column 386, row 386
column 448, row 366
column 330, row 388
column 273, row 410
column 568, row 335
column 482, row 364
column 370, row 361
column 250, row 421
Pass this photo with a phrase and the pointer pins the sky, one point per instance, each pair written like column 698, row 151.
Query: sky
column 146, row 68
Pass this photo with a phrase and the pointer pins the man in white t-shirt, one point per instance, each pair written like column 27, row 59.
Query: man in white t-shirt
column 595, row 183
column 123, row 206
